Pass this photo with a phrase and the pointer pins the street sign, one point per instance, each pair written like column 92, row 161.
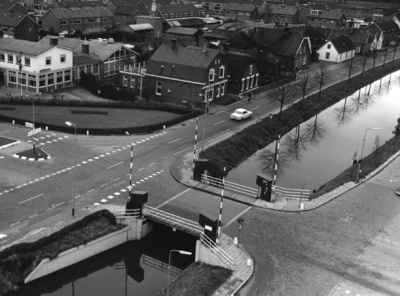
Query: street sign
column 36, row 131
column 28, row 124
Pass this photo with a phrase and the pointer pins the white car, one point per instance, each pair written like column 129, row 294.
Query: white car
column 241, row 114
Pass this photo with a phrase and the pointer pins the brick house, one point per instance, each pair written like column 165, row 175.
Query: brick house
column 243, row 73
column 239, row 11
column 282, row 15
column 333, row 19
column 19, row 26
column 241, row 42
column 389, row 30
column 190, row 74
column 126, row 14
column 86, row 19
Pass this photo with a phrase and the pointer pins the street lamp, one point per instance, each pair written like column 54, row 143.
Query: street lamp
column 240, row 221
column 362, row 149
column 69, row 123
column 33, row 119
column 207, row 99
column 169, row 263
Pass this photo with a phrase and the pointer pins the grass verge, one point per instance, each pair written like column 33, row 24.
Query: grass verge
column 199, row 279
column 18, row 261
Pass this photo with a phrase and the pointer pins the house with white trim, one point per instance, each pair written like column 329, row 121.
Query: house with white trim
column 337, row 49
column 35, row 67
column 191, row 74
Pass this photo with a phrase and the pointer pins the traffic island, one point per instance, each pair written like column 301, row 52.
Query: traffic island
column 37, row 154
column 7, row 142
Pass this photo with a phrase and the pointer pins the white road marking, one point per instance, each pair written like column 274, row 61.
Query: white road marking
column 140, row 169
column 174, row 141
column 236, row 217
column 172, row 198
column 103, row 200
column 114, row 165
column 219, row 122
column 151, row 164
column 117, row 179
column 104, row 185
column 255, row 108
column 89, row 191
column 32, row 216
column 29, row 199
column 14, row 223
column 2, row 235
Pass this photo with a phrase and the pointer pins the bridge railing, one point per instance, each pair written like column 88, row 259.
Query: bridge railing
column 209, row 180
column 173, row 220
column 219, row 253
column 292, row 193
column 159, row 265
column 127, row 215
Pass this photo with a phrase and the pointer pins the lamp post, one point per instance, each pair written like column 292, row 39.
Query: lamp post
column 240, row 221
column 362, row 149
column 206, row 98
column 33, row 120
column 169, row 263
column 69, row 123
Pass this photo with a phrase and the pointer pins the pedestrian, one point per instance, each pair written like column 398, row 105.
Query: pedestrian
column 249, row 98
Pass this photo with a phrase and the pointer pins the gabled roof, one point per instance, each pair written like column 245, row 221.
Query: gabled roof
column 184, row 63
column 83, row 12
column 287, row 44
column 219, row 34
column 237, row 65
column 240, row 7
column 288, row 10
column 11, row 19
column 97, row 50
column 357, row 36
column 184, row 31
column 241, row 40
column 264, row 37
column 19, row 6
column 343, row 44
column 27, row 47
column 388, row 27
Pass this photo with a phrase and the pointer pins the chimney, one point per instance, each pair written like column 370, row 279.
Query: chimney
column 53, row 40
column 61, row 35
column 205, row 45
column 85, row 48
column 173, row 43
column 153, row 8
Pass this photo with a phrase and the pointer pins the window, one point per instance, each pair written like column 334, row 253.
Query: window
column 62, row 58
column 50, row 79
column 22, row 78
column 304, row 60
column 10, row 58
column 324, row 20
column 32, row 80
column 314, row 12
column 252, row 81
column 222, row 88
column 283, row 17
column 27, row 62
column 12, row 76
column 318, row 20
column 158, row 88
column 96, row 69
column 104, row 19
column 5, row 29
column 48, row 61
column 243, row 82
column 64, row 22
column 91, row 20
column 59, row 77
column 247, row 82
column 67, row 75
column 329, row 46
column 2, row 57
column 42, row 80
column 275, row 16
column 327, row 55
column 211, row 75
column 98, row 19
column 256, row 80
column 11, row 30
column 71, row 22
column 125, row 81
column 218, row 90
column 251, row 69
column 311, row 19
column 221, row 72
column 290, row 17
column 78, row 21
column 132, row 82
column 85, row 21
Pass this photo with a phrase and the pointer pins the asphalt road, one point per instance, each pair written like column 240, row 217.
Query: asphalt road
column 295, row 254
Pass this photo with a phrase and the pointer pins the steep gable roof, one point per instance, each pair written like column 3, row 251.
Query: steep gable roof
column 287, row 44
column 27, row 47
column 264, row 37
column 184, row 63
column 357, row 36
column 343, row 44
column 242, row 40
column 11, row 19
column 388, row 27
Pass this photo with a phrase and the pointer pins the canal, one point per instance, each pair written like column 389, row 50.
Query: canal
column 134, row 268
column 321, row 148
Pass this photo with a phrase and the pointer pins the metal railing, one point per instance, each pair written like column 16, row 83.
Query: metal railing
column 292, row 193
column 219, row 253
column 127, row 215
column 159, row 265
column 173, row 220
column 252, row 192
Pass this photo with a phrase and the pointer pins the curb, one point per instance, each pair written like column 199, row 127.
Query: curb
column 30, row 158
column 10, row 144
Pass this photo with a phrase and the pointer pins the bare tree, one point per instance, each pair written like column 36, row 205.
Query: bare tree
column 321, row 77
column 303, row 83
column 314, row 131
column 267, row 160
column 349, row 65
column 364, row 59
column 294, row 144
column 283, row 95
column 342, row 114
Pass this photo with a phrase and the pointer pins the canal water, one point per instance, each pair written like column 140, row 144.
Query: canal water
column 134, row 268
column 321, row 148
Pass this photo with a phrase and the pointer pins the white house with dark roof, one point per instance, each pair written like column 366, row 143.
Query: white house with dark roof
column 337, row 49
column 103, row 59
column 35, row 66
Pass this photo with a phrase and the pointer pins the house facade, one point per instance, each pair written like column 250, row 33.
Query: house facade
column 35, row 67
column 191, row 74
column 282, row 15
column 333, row 19
column 239, row 11
column 389, row 30
column 87, row 19
column 337, row 50
column 125, row 15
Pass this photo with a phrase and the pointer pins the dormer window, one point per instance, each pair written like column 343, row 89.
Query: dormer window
column 314, row 12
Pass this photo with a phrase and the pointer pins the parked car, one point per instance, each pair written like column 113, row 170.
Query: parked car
column 241, row 114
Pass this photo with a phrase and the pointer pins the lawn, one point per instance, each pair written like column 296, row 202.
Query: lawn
column 116, row 117
column 6, row 141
